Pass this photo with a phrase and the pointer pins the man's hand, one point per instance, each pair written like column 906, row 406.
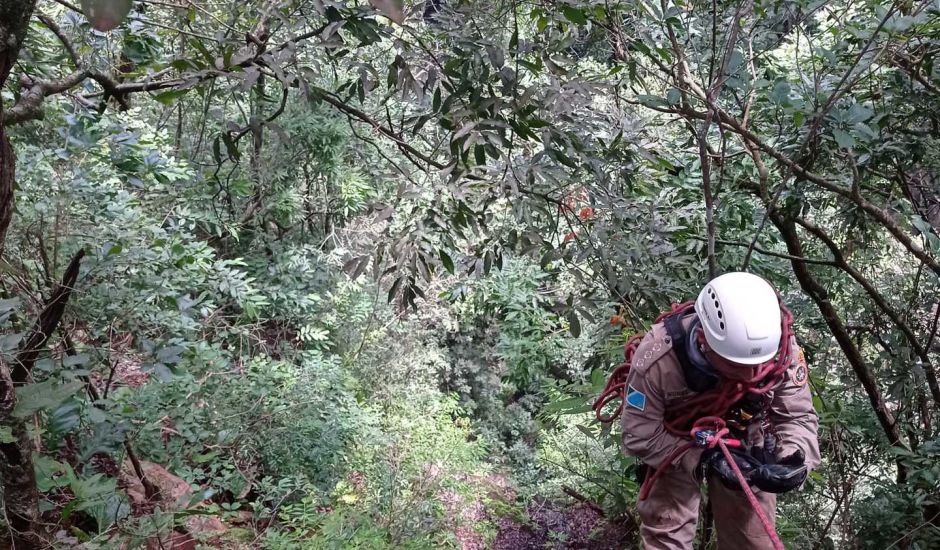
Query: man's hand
column 785, row 475
column 759, row 466
column 713, row 460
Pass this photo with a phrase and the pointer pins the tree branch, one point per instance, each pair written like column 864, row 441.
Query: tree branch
column 869, row 208
column 47, row 322
column 820, row 296
column 766, row 252
column 35, row 91
column 29, row 107
column 350, row 110
column 881, row 302
column 66, row 43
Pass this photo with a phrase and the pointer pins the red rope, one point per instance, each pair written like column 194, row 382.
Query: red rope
column 705, row 409
column 719, row 439
column 616, row 387
column 715, row 402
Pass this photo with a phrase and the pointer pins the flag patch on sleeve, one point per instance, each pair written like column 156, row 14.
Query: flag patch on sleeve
column 636, row 399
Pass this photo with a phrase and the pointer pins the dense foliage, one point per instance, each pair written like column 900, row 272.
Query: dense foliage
column 333, row 274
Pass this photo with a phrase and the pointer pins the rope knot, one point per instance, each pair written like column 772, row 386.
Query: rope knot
column 708, row 431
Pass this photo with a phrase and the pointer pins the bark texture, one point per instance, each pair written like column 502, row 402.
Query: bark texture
column 16, row 466
column 14, row 21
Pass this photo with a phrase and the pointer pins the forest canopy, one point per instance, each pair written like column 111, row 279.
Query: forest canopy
column 340, row 274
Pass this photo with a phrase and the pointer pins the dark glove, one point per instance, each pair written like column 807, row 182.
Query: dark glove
column 780, row 476
column 713, row 460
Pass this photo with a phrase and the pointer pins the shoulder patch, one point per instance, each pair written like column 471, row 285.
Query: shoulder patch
column 636, row 399
column 799, row 372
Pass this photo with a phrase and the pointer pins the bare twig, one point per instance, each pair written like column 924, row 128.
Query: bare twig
column 278, row 112
column 66, row 43
column 363, row 117
column 765, row 252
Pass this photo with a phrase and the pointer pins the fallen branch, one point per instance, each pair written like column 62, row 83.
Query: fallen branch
column 47, row 322
column 581, row 498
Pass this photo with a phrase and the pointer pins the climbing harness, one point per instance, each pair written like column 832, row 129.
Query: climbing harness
column 700, row 418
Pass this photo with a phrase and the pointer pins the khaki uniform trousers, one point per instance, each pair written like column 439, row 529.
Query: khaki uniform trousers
column 670, row 512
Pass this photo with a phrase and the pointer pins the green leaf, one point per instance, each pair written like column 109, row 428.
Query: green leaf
column 781, row 92
column 6, row 435
column 50, row 473
column 575, row 15
column 92, row 491
column 7, row 307
column 217, row 150
column 392, row 292
column 652, row 100
column 598, row 379
column 843, row 139
column 564, row 405
column 586, row 431
column 9, row 342
column 75, row 360
column 356, row 266
column 673, row 96
column 169, row 97
column 42, row 395
column 446, row 261
column 202, row 458
column 65, row 417
column 574, row 324
column 231, row 147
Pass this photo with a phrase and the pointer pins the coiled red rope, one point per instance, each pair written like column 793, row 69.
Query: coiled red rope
column 616, row 387
column 705, row 409
column 715, row 402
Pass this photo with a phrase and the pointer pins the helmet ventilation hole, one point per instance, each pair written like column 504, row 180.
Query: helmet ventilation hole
column 722, row 325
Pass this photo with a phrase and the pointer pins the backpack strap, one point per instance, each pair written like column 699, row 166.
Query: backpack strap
column 696, row 378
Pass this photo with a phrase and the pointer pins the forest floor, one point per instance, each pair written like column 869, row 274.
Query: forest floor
column 540, row 524
column 554, row 525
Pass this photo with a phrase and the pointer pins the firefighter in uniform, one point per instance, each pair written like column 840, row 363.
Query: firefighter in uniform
column 734, row 328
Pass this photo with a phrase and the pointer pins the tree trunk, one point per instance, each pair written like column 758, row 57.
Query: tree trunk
column 921, row 189
column 819, row 295
column 20, row 497
column 14, row 21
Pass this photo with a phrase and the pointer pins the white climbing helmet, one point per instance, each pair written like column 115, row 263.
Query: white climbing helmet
column 740, row 317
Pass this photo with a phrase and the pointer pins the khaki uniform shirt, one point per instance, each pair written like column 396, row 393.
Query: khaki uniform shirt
column 656, row 383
